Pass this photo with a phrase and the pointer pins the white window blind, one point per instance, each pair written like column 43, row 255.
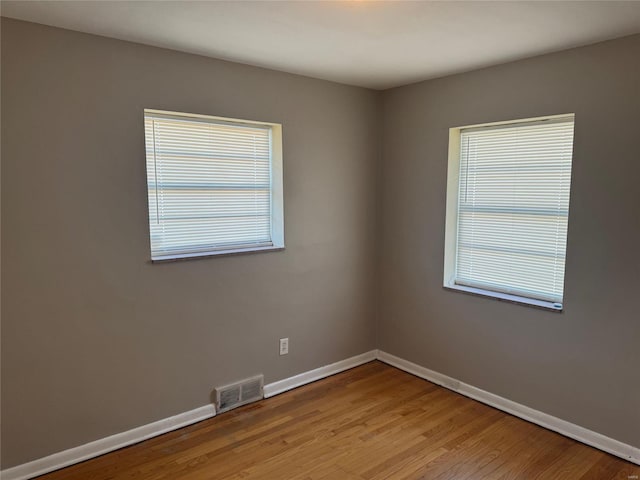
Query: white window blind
column 513, row 207
column 209, row 185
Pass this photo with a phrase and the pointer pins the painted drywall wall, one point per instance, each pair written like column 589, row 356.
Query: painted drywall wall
column 97, row 340
column 582, row 365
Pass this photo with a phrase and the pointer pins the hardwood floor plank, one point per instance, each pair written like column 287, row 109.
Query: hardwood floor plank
column 373, row 422
column 575, row 463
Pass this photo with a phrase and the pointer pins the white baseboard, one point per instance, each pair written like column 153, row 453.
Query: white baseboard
column 108, row 444
column 281, row 386
column 119, row 440
column 105, row 445
column 581, row 434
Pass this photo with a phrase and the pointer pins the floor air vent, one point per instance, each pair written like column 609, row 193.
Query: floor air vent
column 239, row 393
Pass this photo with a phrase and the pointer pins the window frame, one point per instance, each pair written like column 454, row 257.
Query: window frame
column 277, row 187
column 452, row 209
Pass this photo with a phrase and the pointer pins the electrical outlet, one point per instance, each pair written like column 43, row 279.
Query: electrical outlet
column 284, row 346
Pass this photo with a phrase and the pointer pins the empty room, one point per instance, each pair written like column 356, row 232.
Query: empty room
column 320, row 240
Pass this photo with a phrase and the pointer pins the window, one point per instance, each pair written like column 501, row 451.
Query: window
column 508, row 208
column 214, row 185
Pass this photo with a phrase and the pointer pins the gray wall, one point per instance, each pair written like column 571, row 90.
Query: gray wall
column 95, row 339
column 582, row 365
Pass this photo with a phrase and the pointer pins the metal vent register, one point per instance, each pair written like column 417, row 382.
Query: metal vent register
column 239, row 393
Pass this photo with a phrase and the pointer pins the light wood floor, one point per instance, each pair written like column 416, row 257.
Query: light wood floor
column 372, row 422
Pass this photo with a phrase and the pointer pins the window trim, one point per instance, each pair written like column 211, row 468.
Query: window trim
column 451, row 218
column 277, row 187
column 217, row 253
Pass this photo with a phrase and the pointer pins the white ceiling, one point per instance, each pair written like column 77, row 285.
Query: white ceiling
column 371, row 44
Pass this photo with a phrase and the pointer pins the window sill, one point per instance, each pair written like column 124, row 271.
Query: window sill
column 505, row 297
column 216, row 253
